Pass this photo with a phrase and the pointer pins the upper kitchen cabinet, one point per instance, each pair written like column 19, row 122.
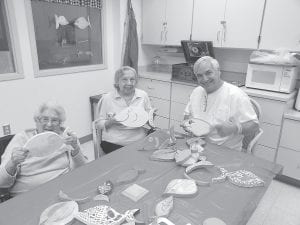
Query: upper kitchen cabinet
column 228, row 23
column 281, row 26
column 166, row 22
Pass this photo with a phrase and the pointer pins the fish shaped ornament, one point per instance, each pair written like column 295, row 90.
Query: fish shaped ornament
column 154, row 140
column 164, row 207
column 129, row 176
column 60, row 20
column 181, row 188
column 105, row 215
column 59, row 213
column 164, row 155
column 82, row 22
column 244, row 178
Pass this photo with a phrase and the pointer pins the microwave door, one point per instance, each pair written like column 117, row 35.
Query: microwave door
column 265, row 79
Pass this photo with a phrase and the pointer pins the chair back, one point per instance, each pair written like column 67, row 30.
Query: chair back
column 250, row 140
column 4, row 141
column 97, row 132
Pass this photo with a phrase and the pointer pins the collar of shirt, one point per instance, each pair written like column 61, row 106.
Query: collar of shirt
column 136, row 95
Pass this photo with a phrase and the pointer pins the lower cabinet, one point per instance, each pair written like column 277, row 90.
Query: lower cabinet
column 289, row 148
column 265, row 152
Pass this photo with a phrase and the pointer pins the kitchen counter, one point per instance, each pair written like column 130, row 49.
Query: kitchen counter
column 269, row 94
column 292, row 114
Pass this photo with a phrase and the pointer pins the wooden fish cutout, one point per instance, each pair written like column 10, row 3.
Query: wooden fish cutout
column 103, row 214
column 163, row 155
column 60, row 20
column 182, row 155
column 64, row 197
column 164, row 207
column 181, row 188
column 129, row 176
column 245, row 178
column 59, row 213
column 82, row 22
column 101, row 197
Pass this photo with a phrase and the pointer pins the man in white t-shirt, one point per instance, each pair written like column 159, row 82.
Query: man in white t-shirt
column 224, row 106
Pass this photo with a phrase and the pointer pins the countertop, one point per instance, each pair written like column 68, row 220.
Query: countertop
column 292, row 114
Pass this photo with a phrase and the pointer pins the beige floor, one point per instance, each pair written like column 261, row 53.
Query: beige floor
column 279, row 206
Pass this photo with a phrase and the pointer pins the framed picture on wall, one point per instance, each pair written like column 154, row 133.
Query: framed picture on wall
column 10, row 56
column 66, row 36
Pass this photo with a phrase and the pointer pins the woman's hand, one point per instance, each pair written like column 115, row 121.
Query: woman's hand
column 71, row 139
column 111, row 121
column 18, row 155
column 186, row 126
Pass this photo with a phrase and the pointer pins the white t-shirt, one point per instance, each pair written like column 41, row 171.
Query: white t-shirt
column 227, row 102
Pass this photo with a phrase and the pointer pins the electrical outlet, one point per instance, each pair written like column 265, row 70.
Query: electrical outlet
column 6, row 129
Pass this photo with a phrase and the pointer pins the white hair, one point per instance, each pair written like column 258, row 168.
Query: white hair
column 53, row 105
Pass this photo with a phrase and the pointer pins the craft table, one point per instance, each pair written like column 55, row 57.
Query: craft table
column 233, row 204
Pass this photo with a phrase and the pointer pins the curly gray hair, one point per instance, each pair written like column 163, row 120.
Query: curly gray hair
column 206, row 60
column 53, row 105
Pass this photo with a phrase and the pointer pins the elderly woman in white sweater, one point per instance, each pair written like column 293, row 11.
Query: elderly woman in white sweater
column 21, row 172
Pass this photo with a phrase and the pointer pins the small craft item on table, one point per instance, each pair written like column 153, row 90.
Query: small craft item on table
column 64, row 197
column 151, row 116
column 105, row 189
column 59, row 213
column 162, row 221
column 164, row 207
column 213, row 221
column 182, row 155
column 154, row 140
column 181, row 188
column 105, row 215
column 164, row 155
column 44, row 144
column 132, row 117
column 198, row 127
column 244, row 178
column 135, row 192
column 202, row 165
column 129, row 176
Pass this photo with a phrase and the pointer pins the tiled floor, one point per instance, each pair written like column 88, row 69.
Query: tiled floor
column 279, row 206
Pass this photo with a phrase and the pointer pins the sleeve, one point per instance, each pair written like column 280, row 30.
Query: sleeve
column 244, row 111
column 103, row 111
column 6, row 180
column 147, row 103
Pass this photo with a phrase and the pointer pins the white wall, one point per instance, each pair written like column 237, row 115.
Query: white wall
column 19, row 98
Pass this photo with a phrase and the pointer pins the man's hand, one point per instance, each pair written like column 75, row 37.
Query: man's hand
column 227, row 128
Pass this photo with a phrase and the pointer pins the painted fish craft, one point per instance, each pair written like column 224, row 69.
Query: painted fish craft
column 60, row 20
column 82, row 22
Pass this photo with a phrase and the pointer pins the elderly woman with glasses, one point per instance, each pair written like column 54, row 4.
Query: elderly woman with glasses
column 114, row 134
column 20, row 171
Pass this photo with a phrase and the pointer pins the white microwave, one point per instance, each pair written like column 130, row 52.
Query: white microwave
column 279, row 78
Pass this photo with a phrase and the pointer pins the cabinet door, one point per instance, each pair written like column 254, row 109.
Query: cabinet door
column 208, row 15
column 281, row 26
column 155, row 88
column 243, row 20
column 291, row 162
column 152, row 21
column 179, row 21
column 264, row 152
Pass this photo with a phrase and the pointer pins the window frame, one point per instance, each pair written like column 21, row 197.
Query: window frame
column 68, row 70
column 15, row 45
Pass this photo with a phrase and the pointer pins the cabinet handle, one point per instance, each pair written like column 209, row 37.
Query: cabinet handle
column 218, row 35
column 161, row 35
column 166, row 32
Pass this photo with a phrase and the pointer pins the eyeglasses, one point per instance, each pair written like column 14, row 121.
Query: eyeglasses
column 54, row 121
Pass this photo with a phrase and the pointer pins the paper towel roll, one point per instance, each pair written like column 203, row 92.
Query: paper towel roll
column 297, row 104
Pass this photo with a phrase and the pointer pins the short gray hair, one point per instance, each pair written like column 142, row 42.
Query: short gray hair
column 120, row 72
column 53, row 105
column 204, row 60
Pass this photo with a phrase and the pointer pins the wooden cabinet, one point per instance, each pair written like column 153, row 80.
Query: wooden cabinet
column 273, row 105
column 281, row 25
column 166, row 22
column 159, row 93
column 289, row 148
column 228, row 23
